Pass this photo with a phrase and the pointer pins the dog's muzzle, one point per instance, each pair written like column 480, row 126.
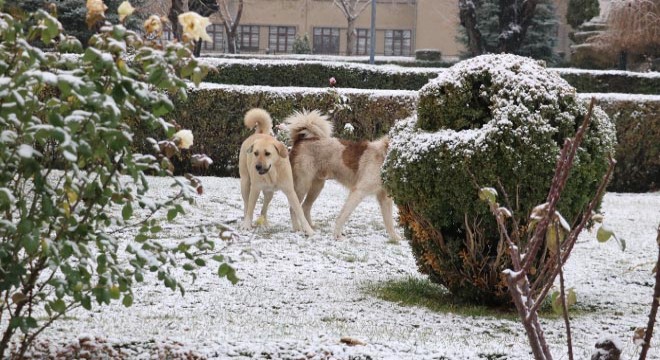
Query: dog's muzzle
column 261, row 170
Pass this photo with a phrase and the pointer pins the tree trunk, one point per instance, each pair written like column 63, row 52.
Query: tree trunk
column 231, row 25
column 468, row 16
column 515, row 19
column 178, row 7
column 350, row 36
column 197, row 51
column 231, row 42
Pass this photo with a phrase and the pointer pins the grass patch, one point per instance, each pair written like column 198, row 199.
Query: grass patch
column 422, row 292
column 413, row 291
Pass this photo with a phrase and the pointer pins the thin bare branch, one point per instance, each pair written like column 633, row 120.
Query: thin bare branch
column 654, row 306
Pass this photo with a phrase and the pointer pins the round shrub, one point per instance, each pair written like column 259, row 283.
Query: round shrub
column 491, row 121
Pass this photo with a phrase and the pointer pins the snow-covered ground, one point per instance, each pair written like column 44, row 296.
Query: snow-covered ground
column 298, row 296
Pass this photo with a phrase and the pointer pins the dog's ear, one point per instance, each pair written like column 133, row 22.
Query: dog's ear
column 281, row 149
column 249, row 150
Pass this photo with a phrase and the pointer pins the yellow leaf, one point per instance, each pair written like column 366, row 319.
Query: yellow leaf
column 194, row 26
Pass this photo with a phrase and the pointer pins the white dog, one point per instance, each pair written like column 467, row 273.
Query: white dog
column 263, row 165
column 317, row 156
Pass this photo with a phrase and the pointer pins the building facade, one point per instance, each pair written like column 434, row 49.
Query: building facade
column 402, row 26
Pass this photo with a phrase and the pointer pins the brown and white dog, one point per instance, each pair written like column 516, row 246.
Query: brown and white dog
column 264, row 166
column 317, row 156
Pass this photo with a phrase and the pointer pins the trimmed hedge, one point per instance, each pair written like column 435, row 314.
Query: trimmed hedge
column 490, row 121
column 362, row 76
column 612, row 81
column 215, row 115
column 316, row 74
column 638, row 132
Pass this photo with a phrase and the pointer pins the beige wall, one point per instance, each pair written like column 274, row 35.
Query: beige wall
column 434, row 23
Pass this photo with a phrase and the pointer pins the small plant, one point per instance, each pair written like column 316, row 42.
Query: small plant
column 301, row 45
column 71, row 183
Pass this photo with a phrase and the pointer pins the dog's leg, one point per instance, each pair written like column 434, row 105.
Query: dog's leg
column 249, row 212
column 301, row 186
column 268, row 196
column 245, row 193
column 355, row 197
column 298, row 213
column 312, row 195
column 386, row 203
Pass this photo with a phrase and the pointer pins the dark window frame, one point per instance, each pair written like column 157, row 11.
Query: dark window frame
column 326, row 40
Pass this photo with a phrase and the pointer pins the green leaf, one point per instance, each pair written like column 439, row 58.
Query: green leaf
column 200, row 262
column 188, row 267
column 127, row 300
column 604, row 234
column 224, row 270
column 86, row 302
column 571, row 298
column 58, row 305
column 127, row 211
column 171, row 214
column 556, row 303
column 114, row 292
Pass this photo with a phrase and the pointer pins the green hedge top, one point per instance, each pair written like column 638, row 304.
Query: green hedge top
column 317, row 74
column 364, row 76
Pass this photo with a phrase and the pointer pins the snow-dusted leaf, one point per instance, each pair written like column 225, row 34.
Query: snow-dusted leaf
column 604, row 233
column 488, row 194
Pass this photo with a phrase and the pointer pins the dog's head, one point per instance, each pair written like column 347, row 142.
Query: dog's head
column 266, row 153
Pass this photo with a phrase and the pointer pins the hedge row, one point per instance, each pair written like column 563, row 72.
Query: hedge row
column 215, row 113
column 363, row 76
column 637, row 120
column 316, row 74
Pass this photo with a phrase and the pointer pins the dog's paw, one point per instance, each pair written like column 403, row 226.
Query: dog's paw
column 339, row 237
column 246, row 226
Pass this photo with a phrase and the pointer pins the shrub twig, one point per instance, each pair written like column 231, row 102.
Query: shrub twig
column 654, row 306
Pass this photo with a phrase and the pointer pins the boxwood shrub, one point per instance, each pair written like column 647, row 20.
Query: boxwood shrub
column 496, row 121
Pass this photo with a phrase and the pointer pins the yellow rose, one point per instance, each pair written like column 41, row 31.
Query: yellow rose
column 124, row 10
column 194, row 26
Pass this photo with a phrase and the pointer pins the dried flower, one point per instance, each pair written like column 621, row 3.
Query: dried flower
column 153, row 25
column 332, row 81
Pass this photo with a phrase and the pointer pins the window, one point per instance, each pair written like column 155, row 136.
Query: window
column 397, row 42
column 362, row 42
column 217, row 34
column 248, row 38
column 280, row 38
column 326, row 40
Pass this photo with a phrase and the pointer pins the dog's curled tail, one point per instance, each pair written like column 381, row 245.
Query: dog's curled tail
column 308, row 124
column 260, row 119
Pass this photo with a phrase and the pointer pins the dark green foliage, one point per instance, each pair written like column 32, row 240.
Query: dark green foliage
column 638, row 150
column 496, row 121
column 580, row 11
column 301, row 45
column 317, row 75
column 216, row 115
column 541, row 35
column 428, row 55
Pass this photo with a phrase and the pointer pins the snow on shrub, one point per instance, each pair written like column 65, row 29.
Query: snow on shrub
column 494, row 120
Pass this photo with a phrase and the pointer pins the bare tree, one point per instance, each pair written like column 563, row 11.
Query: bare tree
column 351, row 10
column 633, row 27
column 230, row 23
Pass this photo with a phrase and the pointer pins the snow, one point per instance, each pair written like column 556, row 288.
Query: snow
column 298, row 296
